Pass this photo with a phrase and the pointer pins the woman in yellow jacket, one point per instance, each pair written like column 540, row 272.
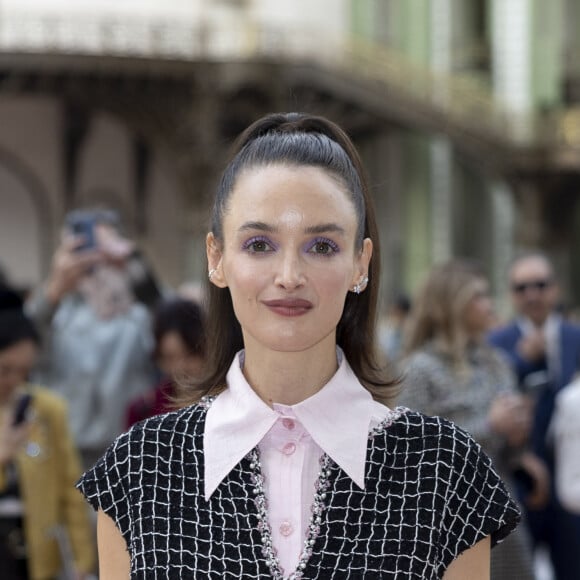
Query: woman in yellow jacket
column 44, row 524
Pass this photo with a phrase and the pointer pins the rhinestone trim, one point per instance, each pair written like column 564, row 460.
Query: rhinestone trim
column 391, row 417
column 318, row 506
column 206, row 401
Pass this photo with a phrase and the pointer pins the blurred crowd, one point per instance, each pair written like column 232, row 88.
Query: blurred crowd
column 512, row 384
column 98, row 346
column 101, row 344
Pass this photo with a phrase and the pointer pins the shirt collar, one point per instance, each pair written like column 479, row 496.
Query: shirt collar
column 550, row 326
column 338, row 418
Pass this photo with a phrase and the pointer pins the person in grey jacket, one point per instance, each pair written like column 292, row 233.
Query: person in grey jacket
column 98, row 338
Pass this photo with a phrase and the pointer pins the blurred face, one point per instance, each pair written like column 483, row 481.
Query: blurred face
column 533, row 289
column 478, row 313
column 16, row 362
column 175, row 359
column 289, row 256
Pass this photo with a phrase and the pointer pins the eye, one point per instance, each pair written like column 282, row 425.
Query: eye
column 323, row 246
column 258, row 245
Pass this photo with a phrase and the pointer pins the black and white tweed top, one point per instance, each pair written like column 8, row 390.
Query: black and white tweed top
column 431, row 493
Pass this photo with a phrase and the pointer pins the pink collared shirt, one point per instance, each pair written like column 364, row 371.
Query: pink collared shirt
column 291, row 439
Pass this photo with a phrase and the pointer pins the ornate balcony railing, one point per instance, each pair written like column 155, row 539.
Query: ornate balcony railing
column 463, row 101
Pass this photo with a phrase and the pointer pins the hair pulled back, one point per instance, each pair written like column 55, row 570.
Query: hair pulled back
column 299, row 140
column 15, row 326
column 184, row 317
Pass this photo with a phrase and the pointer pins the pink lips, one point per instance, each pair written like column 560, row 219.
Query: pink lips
column 289, row 306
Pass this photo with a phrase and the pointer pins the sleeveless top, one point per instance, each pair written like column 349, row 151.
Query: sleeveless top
column 431, row 493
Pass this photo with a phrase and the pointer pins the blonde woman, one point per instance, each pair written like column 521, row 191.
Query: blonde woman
column 450, row 371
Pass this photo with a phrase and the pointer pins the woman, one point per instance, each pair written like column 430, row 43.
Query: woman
column 451, row 371
column 41, row 514
column 279, row 465
column 179, row 331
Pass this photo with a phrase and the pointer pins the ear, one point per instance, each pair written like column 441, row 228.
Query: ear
column 362, row 262
column 214, row 260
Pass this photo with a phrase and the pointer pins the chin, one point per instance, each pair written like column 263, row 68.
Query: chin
column 291, row 346
column 292, row 343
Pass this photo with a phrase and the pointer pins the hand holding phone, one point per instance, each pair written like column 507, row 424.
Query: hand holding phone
column 82, row 225
column 21, row 410
column 85, row 229
column 14, row 431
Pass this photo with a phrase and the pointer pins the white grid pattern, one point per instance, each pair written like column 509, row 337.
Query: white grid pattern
column 431, row 493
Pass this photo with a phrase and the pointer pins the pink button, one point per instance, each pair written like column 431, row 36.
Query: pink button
column 288, row 423
column 289, row 448
column 286, row 528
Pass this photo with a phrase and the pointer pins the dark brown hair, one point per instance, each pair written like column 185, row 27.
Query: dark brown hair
column 184, row 317
column 299, row 140
column 15, row 326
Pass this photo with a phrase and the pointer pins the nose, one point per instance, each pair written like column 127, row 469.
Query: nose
column 290, row 271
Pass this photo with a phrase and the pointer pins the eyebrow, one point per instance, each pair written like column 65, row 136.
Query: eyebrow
column 317, row 229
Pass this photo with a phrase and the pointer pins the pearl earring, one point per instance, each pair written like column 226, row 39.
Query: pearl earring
column 358, row 288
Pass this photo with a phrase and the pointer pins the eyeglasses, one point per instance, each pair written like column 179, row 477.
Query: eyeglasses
column 538, row 285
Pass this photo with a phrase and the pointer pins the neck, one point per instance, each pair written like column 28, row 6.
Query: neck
column 289, row 377
column 539, row 321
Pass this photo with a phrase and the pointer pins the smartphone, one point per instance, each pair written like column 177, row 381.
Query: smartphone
column 83, row 226
column 21, row 410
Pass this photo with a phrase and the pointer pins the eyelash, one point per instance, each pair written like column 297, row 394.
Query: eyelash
column 250, row 246
column 331, row 245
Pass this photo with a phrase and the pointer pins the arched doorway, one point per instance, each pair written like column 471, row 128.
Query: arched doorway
column 25, row 223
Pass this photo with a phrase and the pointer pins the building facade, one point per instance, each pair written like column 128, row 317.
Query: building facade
column 463, row 110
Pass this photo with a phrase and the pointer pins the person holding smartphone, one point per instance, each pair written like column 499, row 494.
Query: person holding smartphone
column 38, row 465
column 97, row 332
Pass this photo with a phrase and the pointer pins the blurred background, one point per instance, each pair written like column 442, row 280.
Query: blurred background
column 465, row 112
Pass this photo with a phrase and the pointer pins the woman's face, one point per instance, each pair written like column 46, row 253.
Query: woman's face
column 478, row 314
column 289, row 256
column 16, row 362
column 174, row 358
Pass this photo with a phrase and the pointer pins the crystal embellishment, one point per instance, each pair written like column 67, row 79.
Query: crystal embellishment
column 318, row 507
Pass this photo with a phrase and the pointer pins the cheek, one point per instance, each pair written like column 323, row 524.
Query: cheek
column 552, row 296
column 472, row 312
column 481, row 313
column 332, row 286
column 246, row 279
column 335, row 277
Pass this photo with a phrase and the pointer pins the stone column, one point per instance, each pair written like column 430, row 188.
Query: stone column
column 440, row 150
column 526, row 60
column 502, row 204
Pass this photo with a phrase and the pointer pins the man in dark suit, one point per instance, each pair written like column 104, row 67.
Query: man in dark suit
column 544, row 351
